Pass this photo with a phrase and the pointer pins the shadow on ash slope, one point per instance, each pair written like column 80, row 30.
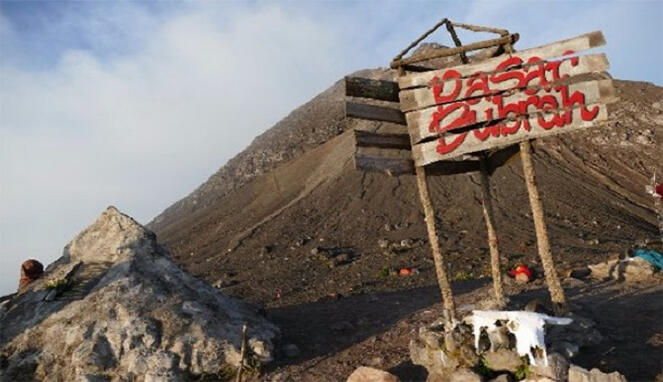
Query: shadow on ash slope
column 254, row 226
column 128, row 312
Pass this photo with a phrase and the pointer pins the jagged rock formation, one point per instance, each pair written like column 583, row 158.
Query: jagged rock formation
column 115, row 307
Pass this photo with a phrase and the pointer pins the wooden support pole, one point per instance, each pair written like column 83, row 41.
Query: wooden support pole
column 554, row 285
column 489, row 217
column 443, row 280
column 440, row 265
column 487, row 204
column 242, row 355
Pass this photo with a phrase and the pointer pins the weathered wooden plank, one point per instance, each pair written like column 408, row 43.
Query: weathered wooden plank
column 389, row 166
column 398, row 162
column 445, row 52
column 433, row 121
column 384, row 140
column 374, row 113
column 453, row 145
column 458, row 90
column 556, row 49
column 369, row 88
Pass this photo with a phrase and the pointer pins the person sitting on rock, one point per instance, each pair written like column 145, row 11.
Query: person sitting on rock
column 31, row 270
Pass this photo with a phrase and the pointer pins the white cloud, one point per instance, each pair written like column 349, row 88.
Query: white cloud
column 143, row 130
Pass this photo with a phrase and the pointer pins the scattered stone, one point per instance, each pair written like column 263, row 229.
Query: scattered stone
column 580, row 273
column 503, row 360
column 291, row 351
column 369, row 374
column 375, row 361
column 578, row 374
column 522, row 278
column 223, row 283
column 407, row 243
column 343, row 258
column 630, row 270
column 383, row 243
column 434, row 359
column 567, row 349
column 557, row 368
column 464, row 375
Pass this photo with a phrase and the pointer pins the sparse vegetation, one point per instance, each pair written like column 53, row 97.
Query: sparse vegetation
column 384, row 272
column 61, row 285
column 523, row 371
column 464, row 276
column 483, row 369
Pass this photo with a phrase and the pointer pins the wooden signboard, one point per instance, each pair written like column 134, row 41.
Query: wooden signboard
column 505, row 100
column 475, row 117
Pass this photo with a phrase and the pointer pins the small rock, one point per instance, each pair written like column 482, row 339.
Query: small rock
column 407, row 243
column 343, row 258
column 435, row 360
column 580, row 273
column 291, row 351
column 567, row 349
column 383, row 243
column 503, row 360
column 522, row 278
column 375, row 361
column 499, row 338
column 578, row 374
column 557, row 369
column 631, row 269
column 369, row 374
column 464, row 375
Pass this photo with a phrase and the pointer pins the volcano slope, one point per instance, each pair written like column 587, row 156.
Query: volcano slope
column 252, row 229
column 252, row 226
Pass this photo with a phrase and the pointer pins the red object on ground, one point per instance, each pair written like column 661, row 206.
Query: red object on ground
column 659, row 190
column 31, row 270
column 521, row 268
column 404, row 272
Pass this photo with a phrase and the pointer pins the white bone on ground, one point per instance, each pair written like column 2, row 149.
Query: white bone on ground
column 527, row 327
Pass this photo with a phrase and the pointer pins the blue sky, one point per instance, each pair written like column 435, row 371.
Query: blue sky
column 136, row 103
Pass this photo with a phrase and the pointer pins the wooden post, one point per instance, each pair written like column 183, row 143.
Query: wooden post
column 443, row 281
column 440, row 265
column 242, row 355
column 489, row 217
column 487, row 205
column 554, row 285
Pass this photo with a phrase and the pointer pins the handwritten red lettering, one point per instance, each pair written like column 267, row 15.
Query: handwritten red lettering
column 552, row 105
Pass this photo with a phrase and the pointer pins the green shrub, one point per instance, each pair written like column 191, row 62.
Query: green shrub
column 61, row 285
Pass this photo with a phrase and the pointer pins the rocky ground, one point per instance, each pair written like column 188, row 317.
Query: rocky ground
column 376, row 329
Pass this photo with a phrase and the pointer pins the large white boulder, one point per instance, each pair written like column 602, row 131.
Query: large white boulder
column 116, row 306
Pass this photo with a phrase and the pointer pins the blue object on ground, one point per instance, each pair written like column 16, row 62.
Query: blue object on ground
column 650, row 255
